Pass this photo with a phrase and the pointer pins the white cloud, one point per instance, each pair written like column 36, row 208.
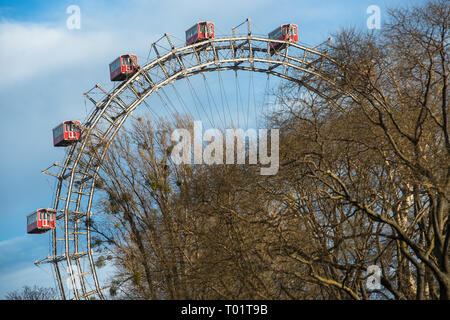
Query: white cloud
column 30, row 50
column 21, row 250
column 17, row 269
column 16, row 264
column 25, row 275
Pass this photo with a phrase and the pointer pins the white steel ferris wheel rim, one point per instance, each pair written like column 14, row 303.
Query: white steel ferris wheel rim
column 232, row 53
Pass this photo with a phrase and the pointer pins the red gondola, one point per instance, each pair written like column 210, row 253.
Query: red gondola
column 66, row 133
column 199, row 32
column 41, row 221
column 123, row 67
column 287, row 32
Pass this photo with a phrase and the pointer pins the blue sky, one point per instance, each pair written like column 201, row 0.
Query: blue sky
column 46, row 68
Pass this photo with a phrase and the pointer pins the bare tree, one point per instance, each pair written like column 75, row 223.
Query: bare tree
column 364, row 180
column 32, row 293
column 382, row 155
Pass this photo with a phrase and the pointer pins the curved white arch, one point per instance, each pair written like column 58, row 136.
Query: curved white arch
column 298, row 63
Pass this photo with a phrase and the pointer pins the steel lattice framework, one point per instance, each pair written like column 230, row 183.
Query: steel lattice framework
column 76, row 176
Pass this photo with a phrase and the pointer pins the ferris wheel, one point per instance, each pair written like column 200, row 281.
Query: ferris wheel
column 216, row 63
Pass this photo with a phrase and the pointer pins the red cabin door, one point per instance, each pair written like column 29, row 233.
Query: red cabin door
column 45, row 220
column 39, row 219
column 70, row 130
column 52, row 219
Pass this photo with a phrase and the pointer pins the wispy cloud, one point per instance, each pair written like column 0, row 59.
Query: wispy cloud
column 16, row 264
column 21, row 250
column 25, row 275
column 31, row 51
